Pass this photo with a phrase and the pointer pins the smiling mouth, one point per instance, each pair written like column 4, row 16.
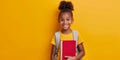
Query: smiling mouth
column 65, row 26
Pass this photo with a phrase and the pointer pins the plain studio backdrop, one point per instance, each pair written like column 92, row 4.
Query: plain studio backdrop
column 27, row 26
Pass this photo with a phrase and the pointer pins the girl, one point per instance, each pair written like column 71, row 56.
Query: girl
column 65, row 19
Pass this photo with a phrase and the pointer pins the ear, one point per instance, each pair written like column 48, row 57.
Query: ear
column 59, row 21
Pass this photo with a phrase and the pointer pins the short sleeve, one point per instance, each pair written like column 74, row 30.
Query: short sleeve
column 80, row 39
column 53, row 41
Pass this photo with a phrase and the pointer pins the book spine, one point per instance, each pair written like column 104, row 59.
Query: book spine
column 61, row 50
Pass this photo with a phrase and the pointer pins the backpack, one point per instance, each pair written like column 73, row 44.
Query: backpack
column 57, row 38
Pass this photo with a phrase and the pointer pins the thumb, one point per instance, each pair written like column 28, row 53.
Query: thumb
column 67, row 57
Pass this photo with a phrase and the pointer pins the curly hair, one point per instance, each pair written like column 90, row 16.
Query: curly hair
column 65, row 6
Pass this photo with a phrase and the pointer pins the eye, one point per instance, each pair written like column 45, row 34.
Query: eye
column 61, row 19
column 68, row 19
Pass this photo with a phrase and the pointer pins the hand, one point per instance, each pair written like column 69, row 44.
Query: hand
column 71, row 58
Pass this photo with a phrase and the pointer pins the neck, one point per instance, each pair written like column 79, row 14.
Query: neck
column 66, row 31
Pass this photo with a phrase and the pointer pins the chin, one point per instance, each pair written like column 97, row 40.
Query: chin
column 65, row 28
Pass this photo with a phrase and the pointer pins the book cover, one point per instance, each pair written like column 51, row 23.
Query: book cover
column 68, row 48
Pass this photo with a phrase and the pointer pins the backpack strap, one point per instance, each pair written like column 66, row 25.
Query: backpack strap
column 57, row 39
column 75, row 37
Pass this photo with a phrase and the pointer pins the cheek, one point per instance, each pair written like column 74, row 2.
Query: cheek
column 60, row 23
column 70, row 22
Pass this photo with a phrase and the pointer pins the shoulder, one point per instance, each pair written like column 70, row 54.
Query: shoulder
column 76, row 32
column 57, row 32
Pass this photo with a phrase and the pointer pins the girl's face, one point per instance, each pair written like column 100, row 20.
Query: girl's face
column 65, row 20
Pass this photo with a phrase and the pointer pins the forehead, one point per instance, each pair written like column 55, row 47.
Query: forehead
column 65, row 14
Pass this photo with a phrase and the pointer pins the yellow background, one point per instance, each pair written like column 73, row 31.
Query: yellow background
column 26, row 28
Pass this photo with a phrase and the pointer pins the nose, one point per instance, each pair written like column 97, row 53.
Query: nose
column 65, row 21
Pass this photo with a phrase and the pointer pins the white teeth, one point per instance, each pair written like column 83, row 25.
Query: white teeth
column 65, row 26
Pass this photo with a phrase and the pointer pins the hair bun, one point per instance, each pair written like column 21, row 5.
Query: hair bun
column 65, row 6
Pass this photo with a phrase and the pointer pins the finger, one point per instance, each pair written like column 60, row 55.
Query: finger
column 66, row 57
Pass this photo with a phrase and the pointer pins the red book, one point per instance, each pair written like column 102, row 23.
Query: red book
column 68, row 48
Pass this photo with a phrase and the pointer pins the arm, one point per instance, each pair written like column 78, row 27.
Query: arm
column 82, row 52
column 53, row 52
